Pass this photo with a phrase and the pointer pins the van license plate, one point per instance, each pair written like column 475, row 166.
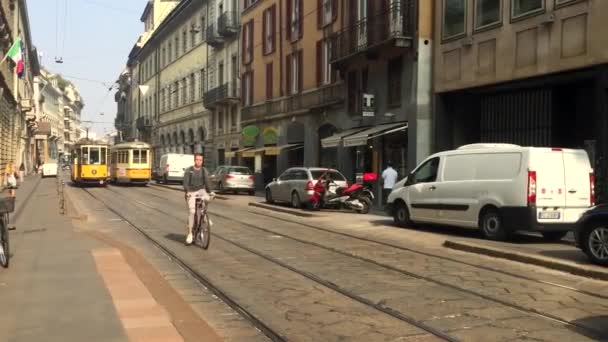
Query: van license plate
column 548, row 215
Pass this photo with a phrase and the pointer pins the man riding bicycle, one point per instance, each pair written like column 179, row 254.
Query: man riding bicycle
column 196, row 184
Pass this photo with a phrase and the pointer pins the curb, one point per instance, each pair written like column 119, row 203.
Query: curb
column 220, row 197
column 527, row 258
column 281, row 210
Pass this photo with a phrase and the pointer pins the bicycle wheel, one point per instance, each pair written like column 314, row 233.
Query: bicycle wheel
column 4, row 244
column 205, row 232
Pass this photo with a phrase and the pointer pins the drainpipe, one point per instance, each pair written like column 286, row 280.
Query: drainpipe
column 281, row 88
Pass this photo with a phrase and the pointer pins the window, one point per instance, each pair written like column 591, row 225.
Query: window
column 294, row 72
column 248, row 42
column 176, row 95
column 353, row 92
column 269, row 34
column 162, row 100
column 454, row 18
column 136, row 159
column 176, row 46
column 143, row 156
column 294, row 19
column 203, row 28
column 247, row 88
column 248, row 3
column 487, row 13
column 269, row 79
column 170, row 53
column 520, row 8
column 325, row 73
column 184, row 91
column 327, row 12
column 427, row 173
column 220, row 121
column 395, row 70
column 94, row 156
column 203, row 82
column 192, row 34
column 233, row 117
column 184, row 41
column 162, row 55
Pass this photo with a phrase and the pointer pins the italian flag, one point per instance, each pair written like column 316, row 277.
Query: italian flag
column 15, row 53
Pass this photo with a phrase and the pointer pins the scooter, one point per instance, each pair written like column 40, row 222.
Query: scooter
column 357, row 197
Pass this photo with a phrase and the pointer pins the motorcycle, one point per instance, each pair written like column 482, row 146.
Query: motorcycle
column 357, row 197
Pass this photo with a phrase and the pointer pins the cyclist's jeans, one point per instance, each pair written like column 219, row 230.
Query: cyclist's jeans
column 191, row 199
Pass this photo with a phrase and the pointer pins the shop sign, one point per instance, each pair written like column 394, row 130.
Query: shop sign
column 368, row 105
column 249, row 134
column 270, row 136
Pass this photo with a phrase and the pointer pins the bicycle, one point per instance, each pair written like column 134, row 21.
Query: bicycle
column 7, row 205
column 202, row 228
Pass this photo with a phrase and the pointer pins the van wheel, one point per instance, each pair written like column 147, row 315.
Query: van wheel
column 554, row 236
column 491, row 226
column 595, row 244
column 401, row 216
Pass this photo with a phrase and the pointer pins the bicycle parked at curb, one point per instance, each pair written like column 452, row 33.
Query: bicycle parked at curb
column 7, row 205
column 202, row 223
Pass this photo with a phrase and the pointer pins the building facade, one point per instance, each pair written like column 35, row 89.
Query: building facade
column 347, row 85
column 532, row 73
column 17, row 106
column 50, row 136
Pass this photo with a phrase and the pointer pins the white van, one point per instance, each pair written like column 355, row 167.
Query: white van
column 498, row 188
column 49, row 169
column 171, row 167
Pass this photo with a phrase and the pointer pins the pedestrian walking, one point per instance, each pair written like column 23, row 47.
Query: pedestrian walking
column 22, row 173
column 389, row 178
column 11, row 179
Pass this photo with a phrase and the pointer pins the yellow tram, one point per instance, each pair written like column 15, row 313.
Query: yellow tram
column 90, row 163
column 130, row 163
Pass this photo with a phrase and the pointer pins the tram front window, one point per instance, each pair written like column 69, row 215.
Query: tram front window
column 94, row 156
column 104, row 156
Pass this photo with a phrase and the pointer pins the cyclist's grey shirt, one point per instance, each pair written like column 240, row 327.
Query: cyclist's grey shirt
column 195, row 180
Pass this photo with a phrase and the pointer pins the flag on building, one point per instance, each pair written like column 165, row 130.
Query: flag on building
column 15, row 53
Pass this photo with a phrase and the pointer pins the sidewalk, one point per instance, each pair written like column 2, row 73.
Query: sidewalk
column 64, row 285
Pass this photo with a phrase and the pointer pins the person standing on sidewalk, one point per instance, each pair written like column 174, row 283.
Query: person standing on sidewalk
column 389, row 178
column 11, row 179
column 196, row 182
column 22, row 173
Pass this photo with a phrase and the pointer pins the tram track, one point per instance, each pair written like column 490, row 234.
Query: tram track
column 523, row 309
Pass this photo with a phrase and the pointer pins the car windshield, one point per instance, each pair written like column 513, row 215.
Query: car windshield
column 239, row 171
column 335, row 175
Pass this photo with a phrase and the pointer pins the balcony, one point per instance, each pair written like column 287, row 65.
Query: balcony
column 228, row 24
column 213, row 37
column 143, row 124
column 392, row 28
column 224, row 94
column 319, row 98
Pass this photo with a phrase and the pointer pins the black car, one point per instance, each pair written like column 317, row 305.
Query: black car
column 591, row 234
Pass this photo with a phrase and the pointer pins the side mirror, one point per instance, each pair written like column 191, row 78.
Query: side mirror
column 274, row 179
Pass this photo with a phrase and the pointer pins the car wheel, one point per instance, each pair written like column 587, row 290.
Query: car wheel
column 492, row 227
column 295, row 200
column 554, row 236
column 269, row 199
column 401, row 216
column 595, row 244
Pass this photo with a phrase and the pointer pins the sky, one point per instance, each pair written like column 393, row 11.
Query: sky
column 94, row 40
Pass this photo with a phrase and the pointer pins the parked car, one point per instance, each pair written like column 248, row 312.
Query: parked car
column 498, row 188
column 591, row 234
column 233, row 178
column 296, row 185
column 171, row 167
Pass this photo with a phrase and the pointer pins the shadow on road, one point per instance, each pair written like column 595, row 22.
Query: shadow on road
column 176, row 237
column 598, row 324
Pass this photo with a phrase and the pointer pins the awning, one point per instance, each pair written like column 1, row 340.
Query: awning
column 251, row 153
column 232, row 154
column 335, row 139
column 276, row 150
column 362, row 137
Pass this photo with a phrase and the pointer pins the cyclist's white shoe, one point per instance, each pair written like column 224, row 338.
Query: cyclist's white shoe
column 189, row 239
column 210, row 223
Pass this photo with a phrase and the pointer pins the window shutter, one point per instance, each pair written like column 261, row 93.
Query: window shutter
column 244, row 88
column 274, row 27
column 264, row 24
column 251, row 40
column 251, row 87
column 288, row 19
column 288, row 74
column 334, row 10
column 300, row 71
column 319, row 14
column 269, row 81
column 319, row 62
column 301, row 19
column 244, row 47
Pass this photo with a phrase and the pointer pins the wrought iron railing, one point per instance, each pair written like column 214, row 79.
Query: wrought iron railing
column 318, row 98
column 212, row 36
column 398, row 21
column 228, row 23
column 227, row 91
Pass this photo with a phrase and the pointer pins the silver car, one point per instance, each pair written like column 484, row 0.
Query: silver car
column 296, row 185
column 233, row 178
